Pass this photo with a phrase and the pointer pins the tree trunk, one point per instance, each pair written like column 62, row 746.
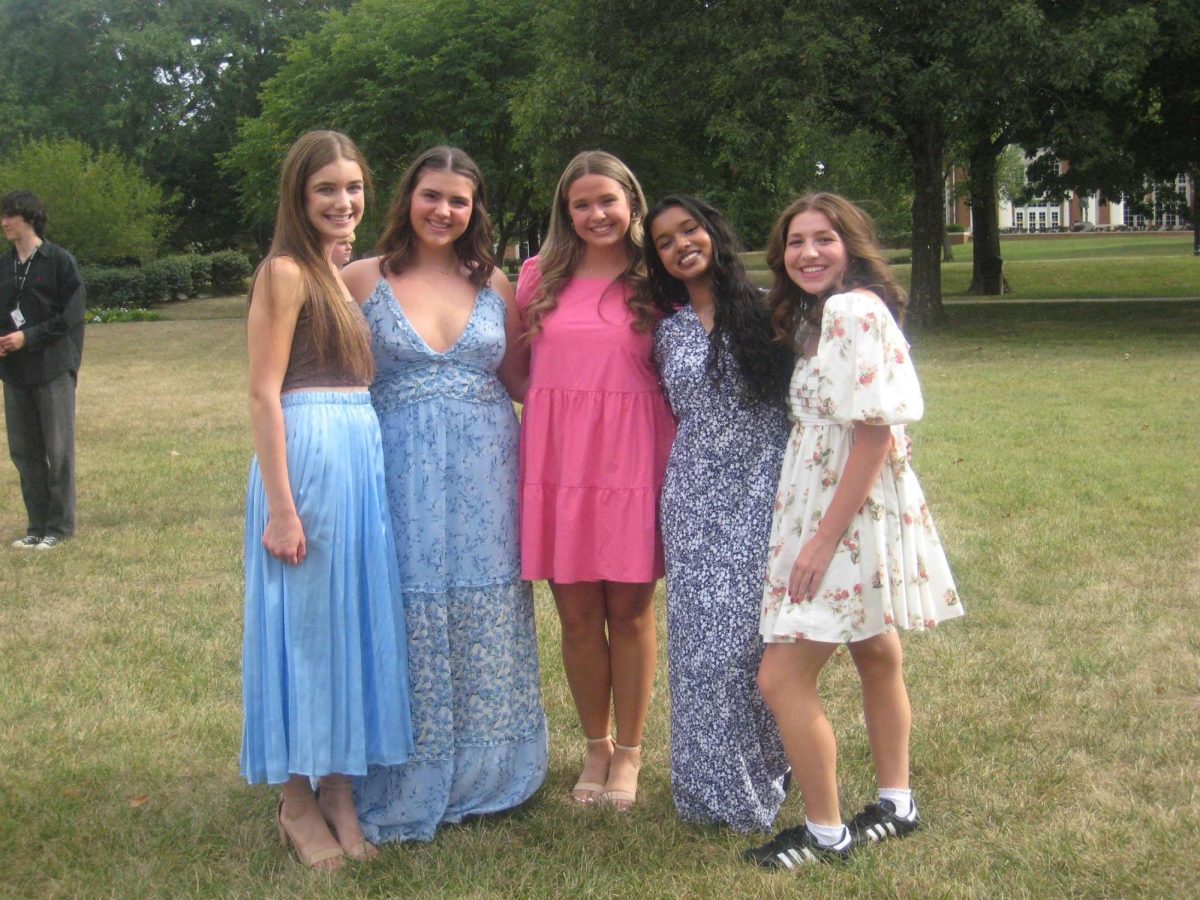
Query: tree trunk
column 987, row 270
column 1195, row 218
column 926, row 145
column 502, row 236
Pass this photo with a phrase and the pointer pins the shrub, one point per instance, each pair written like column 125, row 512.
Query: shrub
column 110, row 288
column 169, row 279
column 230, row 269
column 201, row 267
column 955, row 228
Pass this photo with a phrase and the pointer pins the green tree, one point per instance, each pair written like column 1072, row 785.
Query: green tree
column 695, row 97
column 99, row 205
column 1118, row 128
column 162, row 82
column 399, row 76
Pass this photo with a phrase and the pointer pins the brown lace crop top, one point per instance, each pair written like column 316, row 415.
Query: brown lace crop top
column 304, row 372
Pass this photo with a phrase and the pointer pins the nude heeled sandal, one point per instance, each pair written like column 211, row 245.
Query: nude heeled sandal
column 586, row 792
column 364, row 850
column 619, row 799
column 312, row 860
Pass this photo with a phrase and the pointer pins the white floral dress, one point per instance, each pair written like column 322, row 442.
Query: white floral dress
column 889, row 569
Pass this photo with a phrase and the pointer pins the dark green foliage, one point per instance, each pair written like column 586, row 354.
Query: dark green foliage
column 399, row 76
column 230, row 269
column 108, row 288
column 169, row 278
column 201, row 270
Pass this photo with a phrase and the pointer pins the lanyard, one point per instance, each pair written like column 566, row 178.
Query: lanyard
column 21, row 275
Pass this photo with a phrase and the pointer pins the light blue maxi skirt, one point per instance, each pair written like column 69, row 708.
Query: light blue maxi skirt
column 324, row 658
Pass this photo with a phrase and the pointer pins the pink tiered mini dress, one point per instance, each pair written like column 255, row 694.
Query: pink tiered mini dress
column 595, row 436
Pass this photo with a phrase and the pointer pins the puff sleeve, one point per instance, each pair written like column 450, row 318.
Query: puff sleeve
column 865, row 373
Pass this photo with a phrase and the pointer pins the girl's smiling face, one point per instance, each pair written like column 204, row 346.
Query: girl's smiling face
column 815, row 256
column 682, row 243
column 441, row 207
column 333, row 200
column 599, row 210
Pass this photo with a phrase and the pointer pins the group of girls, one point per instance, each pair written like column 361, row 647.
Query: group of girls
column 397, row 512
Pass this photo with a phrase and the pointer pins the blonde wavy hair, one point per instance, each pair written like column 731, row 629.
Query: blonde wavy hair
column 865, row 265
column 563, row 249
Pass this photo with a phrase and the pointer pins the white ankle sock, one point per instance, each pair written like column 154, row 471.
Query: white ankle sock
column 834, row 837
column 902, row 799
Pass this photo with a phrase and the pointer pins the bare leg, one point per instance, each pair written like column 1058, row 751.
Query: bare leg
column 300, row 822
column 787, row 679
column 632, row 654
column 337, row 806
column 885, row 706
column 585, row 660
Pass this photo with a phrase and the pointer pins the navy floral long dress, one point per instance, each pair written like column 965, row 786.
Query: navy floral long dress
column 727, row 762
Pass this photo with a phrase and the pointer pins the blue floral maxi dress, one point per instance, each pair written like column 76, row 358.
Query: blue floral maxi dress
column 727, row 762
column 450, row 454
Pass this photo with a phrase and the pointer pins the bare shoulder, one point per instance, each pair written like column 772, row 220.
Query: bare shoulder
column 279, row 286
column 361, row 277
column 501, row 285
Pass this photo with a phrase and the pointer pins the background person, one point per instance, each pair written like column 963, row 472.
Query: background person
column 854, row 554
column 725, row 378
column 42, row 298
column 595, row 434
column 343, row 252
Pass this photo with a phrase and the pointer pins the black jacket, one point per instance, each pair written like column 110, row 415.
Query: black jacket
column 51, row 299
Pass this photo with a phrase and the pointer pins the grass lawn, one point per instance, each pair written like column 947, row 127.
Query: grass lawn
column 1055, row 741
column 1145, row 265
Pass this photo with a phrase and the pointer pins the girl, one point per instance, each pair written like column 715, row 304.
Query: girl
column 441, row 315
column 594, row 441
column 725, row 378
column 854, row 554
column 324, row 671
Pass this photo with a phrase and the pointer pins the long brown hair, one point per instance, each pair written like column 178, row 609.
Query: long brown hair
column 397, row 244
column 563, row 248
column 338, row 337
column 865, row 265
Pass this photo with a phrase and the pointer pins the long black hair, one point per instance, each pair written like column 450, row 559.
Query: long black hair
column 739, row 311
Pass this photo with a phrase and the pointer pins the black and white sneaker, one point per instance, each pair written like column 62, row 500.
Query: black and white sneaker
column 879, row 822
column 27, row 543
column 49, row 542
column 793, row 848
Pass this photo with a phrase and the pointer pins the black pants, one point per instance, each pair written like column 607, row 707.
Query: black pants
column 41, row 440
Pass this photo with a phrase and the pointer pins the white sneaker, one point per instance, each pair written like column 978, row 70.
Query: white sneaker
column 26, row 543
column 49, row 542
